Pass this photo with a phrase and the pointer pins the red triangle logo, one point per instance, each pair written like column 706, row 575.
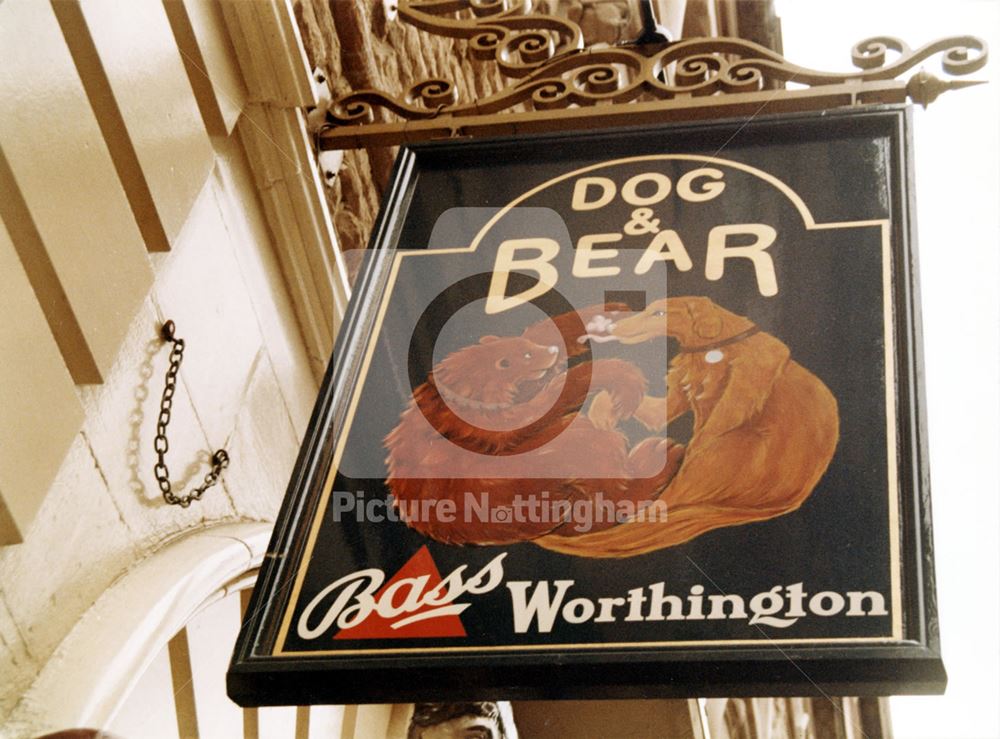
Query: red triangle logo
column 420, row 567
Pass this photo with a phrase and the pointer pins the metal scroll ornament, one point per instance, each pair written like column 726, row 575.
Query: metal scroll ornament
column 552, row 71
column 503, row 30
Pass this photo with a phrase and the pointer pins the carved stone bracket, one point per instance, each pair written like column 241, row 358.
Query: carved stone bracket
column 558, row 84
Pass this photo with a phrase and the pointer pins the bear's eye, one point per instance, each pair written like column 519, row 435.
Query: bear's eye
column 527, row 355
column 503, row 363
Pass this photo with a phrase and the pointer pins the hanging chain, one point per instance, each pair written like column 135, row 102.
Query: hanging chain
column 220, row 460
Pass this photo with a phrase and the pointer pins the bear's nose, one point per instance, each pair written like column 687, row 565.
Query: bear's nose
column 553, row 350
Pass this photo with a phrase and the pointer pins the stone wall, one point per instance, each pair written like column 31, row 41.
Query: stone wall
column 359, row 48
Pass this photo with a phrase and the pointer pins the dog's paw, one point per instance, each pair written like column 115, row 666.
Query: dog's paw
column 652, row 413
column 602, row 412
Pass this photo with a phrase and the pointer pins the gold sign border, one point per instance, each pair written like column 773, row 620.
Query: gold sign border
column 891, row 435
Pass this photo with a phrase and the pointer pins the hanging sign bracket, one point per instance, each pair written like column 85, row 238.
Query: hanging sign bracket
column 558, row 84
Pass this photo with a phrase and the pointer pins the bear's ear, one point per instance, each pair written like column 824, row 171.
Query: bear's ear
column 488, row 339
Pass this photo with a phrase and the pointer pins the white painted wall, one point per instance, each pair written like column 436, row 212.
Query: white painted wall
column 245, row 386
column 158, row 112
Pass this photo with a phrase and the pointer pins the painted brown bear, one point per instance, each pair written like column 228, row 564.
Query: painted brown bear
column 497, row 430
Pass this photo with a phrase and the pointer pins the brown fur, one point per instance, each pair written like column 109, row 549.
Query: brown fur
column 509, row 410
column 765, row 428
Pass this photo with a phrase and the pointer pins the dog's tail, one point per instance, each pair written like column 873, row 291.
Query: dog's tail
column 677, row 526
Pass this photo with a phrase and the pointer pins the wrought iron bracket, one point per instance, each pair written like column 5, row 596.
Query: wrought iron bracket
column 558, row 85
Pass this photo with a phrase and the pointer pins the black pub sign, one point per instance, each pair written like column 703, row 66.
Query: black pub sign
column 618, row 414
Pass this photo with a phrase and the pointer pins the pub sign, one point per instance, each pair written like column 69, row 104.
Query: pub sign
column 617, row 414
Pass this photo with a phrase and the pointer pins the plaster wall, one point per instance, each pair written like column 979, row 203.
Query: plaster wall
column 245, row 386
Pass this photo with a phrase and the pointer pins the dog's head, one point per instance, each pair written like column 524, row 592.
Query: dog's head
column 691, row 320
column 745, row 371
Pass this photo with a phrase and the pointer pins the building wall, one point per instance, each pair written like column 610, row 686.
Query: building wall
column 156, row 109
column 358, row 47
column 245, row 386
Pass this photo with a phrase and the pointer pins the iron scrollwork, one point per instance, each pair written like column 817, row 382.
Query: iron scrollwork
column 551, row 70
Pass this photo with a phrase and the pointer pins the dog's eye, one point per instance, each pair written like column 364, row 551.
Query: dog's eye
column 503, row 363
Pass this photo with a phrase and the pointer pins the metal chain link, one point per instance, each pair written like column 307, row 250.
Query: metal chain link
column 220, row 460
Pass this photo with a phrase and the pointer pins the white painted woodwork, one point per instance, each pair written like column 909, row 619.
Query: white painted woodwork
column 261, row 271
column 714, row 711
column 313, row 300
column 326, row 722
column 210, row 61
column 399, row 721
column 199, row 287
column 182, row 685
column 276, row 722
column 242, row 18
column 149, row 711
column 670, row 13
column 273, row 131
column 286, row 175
column 104, row 511
column 211, row 636
column 372, row 721
column 301, row 173
column 266, row 445
column 61, row 199
column 284, row 47
column 40, row 413
column 251, row 70
column 115, row 589
column 14, row 652
column 128, row 52
column 697, row 719
column 350, row 722
column 119, row 636
column 270, row 51
column 120, row 427
column 76, row 547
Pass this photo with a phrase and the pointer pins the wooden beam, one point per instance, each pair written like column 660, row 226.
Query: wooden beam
column 210, row 61
column 182, row 679
column 251, row 719
column 163, row 159
column 41, row 411
column 61, row 198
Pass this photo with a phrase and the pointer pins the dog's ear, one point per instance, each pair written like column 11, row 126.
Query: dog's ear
column 751, row 374
column 706, row 318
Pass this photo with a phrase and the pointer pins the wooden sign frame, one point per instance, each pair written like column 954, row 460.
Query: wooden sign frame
column 847, row 177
